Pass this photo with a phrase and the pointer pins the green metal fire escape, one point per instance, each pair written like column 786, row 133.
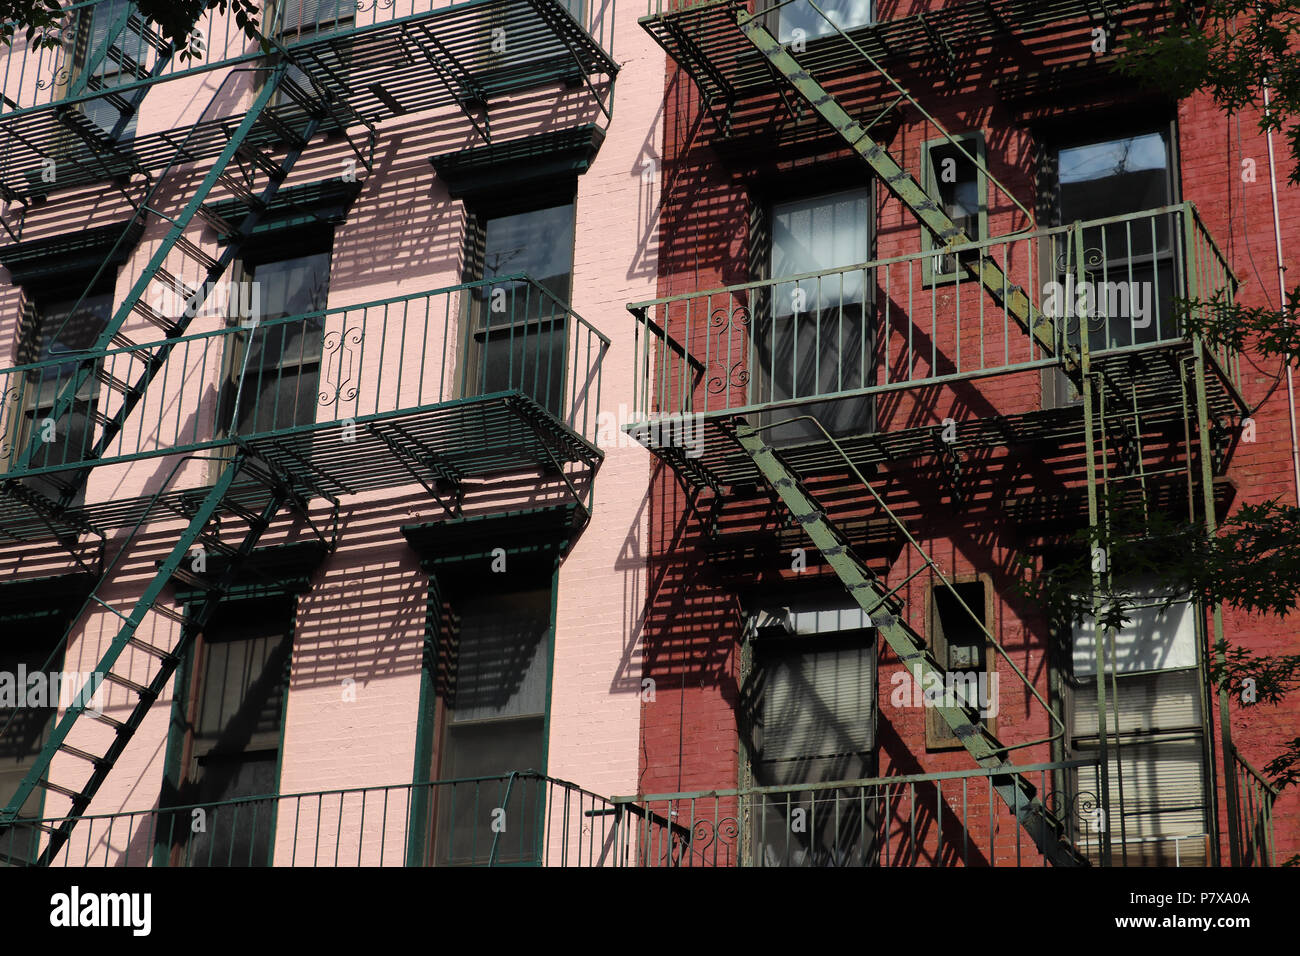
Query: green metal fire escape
column 881, row 606
column 324, row 84
column 292, row 124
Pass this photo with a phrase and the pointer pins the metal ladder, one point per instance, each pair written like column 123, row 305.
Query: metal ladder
column 899, row 181
column 1044, row 828
column 258, row 516
column 259, row 124
column 128, row 23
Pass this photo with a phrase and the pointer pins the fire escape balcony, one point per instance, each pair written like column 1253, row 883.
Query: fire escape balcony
column 69, row 112
column 850, row 344
column 1023, row 49
column 437, row 388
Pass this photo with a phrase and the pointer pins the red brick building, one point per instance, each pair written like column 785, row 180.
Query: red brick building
column 974, row 429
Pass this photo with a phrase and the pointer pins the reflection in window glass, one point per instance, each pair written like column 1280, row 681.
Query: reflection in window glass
column 799, row 15
column 519, row 334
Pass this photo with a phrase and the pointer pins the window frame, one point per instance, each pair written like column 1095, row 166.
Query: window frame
column 839, row 637
column 762, row 249
column 472, row 339
column 180, row 759
column 1079, row 694
column 938, row 736
column 930, row 276
column 426, row 846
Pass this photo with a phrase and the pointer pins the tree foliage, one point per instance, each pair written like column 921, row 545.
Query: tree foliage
column 39, row 21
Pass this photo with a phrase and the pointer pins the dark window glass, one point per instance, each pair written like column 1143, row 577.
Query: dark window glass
column 281, row 369
column 238, row 691
column 518, row 335
column 63, row 331
column 22, row 741
column 495, row 684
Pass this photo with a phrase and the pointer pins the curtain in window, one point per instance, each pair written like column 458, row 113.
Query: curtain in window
column 811, row 336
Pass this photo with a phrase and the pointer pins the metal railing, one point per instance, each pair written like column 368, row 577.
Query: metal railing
column 39, row 78
column 921, row 319
column 377, row 359
column 935, row 819
column 1255, row 796
column 516, row 819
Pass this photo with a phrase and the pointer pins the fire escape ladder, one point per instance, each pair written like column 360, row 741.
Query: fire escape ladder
column 246, row 141
column 1043, row 827
column 902, row 185
column 117, row 41
column 271, row 495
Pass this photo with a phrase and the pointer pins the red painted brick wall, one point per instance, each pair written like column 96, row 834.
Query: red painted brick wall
column 694, row 622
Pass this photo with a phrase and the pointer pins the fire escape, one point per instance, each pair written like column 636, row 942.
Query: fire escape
column 701, row 354
column 391, row 410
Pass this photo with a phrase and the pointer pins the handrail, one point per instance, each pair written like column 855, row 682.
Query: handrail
column 382, row 356
column 227, row 45
column 925, row 556
column 725, row 350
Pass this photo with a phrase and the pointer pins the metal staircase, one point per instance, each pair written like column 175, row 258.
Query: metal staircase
column 898, row 180
column 283, row 116
column 126, row 24
column 257, row 504
column 878, row 601
column 262, row 175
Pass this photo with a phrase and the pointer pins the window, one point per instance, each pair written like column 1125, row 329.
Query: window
column 962, row 649
column 57, row 328
column 797, row 15
column 1157, row 779
column 811, row 717
column 25, row 651
column 275, row 374
column 959, row 186
column 493, row 676
column 98, row 27
column 301, row 21
column 238, row 678
column 518, row 336
column 811, row 336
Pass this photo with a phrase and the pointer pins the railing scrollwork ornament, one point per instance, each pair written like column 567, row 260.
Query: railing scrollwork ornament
column 726, row 322
column 343, row 344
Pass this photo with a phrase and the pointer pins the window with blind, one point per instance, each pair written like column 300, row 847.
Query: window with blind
column 811, row 714
column 812, row 336
column 517, row 336
column 93, row 35
column 238, row 681
column 1157, row 775
column 493, row 679
column 302, row 21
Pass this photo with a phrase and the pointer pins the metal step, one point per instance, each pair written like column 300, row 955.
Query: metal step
column 902, row 185
column 166, row 664
column 1047, row 832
